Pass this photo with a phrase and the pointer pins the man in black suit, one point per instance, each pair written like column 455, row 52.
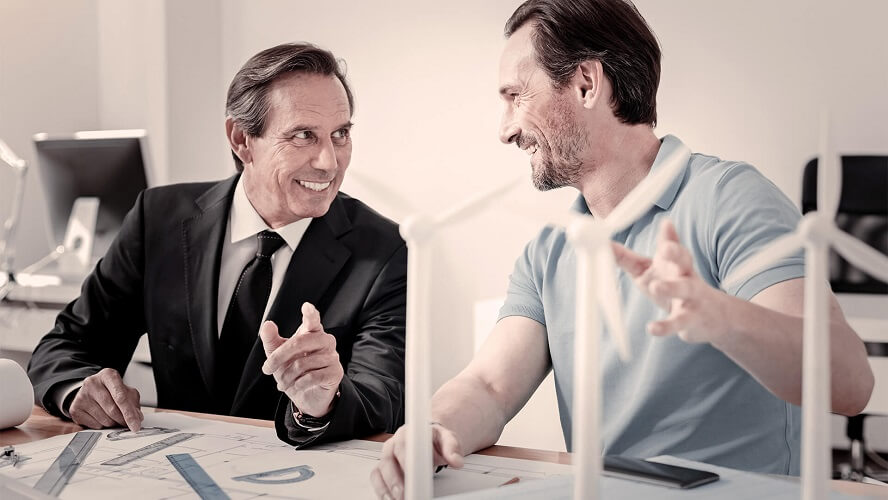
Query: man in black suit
column 200, row 266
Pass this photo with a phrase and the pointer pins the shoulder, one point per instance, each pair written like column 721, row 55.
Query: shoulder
column 369, row 229
column 714, row 175
column 178, row 193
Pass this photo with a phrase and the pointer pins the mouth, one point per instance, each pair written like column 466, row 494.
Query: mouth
column 531, row 150
column 317, row 187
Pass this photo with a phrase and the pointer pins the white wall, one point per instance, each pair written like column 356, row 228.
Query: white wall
column 48, row 83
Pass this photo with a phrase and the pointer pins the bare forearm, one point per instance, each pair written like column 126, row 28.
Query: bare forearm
column 768, row 344
column 466, row 406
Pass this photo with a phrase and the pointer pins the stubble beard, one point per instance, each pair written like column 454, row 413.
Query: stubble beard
column 560, row 165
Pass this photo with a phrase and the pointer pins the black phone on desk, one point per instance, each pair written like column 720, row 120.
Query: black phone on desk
column 673, row 476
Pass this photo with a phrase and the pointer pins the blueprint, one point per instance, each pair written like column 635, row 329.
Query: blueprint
column 246, row 462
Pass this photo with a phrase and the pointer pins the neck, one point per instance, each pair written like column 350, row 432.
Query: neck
column 622, row 159
column 269, row 216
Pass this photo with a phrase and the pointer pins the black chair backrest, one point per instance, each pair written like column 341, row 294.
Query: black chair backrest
column 863, row 213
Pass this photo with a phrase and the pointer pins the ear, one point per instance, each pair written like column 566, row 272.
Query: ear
column 238, row 140
column 588, row 82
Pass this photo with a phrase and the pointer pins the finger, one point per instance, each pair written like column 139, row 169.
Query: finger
column 379, row 486
column 677, row 255
column 103, row 397
column 126, row 399
column 448, row 446
column 674, row 323
column 667, row 232
column 81, row 417
column 324, row 378
column 631, row 262
column 289, row 374
column 268, row 333
column 311, row 318
column 672, row 289
column 297, row 346
column 392, row 476
column 89, row 406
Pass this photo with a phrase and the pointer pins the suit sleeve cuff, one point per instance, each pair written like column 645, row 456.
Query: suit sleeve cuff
column 63, row 394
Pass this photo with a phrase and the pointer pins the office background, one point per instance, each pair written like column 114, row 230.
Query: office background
column 742, row 80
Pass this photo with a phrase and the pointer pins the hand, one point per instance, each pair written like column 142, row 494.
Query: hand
column 388, row 476
column 696, row 310
column 104, row 401
column 306, row 366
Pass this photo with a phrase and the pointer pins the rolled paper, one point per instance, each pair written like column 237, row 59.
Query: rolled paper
column 16, row 394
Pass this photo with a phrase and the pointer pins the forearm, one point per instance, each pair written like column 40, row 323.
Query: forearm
column 768, row 345
column 469, row 408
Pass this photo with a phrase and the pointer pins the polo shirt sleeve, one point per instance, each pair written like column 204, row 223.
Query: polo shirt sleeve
column 523, row 297
column 748, row 213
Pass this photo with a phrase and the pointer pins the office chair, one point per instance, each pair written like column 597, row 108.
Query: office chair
column 863, row 212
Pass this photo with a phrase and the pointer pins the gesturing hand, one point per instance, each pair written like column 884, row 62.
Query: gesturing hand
column 306, row 366
column 696, row 310
column 104, row 401
column 388, row 476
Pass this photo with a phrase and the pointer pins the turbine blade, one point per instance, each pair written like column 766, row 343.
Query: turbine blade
column 645, row 194
column 392, row 197
column 476, row 203
column 779, row 248
column 829, row 171
column 9, row 157
column 609, row 301
column 863, row 256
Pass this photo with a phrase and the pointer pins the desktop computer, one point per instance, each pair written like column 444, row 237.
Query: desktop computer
column 90, row 181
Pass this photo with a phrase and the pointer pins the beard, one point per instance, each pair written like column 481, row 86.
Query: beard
column 559, row 159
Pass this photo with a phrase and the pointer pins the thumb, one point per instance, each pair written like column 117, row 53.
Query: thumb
column 631, row 262
column 311, row 318
column 268, row 333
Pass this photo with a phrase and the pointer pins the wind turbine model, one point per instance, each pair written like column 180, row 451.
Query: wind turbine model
column 597, row 287
column 20, row 166
column 419, row 232
column 815, row 233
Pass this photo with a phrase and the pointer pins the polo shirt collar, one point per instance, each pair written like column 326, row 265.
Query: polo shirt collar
column 669, row 144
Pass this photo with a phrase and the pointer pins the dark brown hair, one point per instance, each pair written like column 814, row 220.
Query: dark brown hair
column 247, row 102
column 568, row 32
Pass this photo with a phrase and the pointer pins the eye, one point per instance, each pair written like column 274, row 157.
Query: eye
column 303, row 135
column 341, row 136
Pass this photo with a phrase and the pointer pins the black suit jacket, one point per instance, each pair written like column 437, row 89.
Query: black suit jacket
column 161, row 276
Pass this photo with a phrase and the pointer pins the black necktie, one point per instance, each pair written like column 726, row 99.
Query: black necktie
column 241, row 326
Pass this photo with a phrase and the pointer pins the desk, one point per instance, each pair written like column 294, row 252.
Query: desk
column 41, row 425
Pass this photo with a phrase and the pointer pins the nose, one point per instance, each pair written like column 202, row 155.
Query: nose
column 326, row 156
column 509, row 130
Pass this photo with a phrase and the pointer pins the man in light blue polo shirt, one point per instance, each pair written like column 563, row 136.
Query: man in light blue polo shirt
column 715, row 376
column 675, row 397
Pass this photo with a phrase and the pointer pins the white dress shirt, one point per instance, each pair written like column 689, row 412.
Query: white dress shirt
column 238, row 248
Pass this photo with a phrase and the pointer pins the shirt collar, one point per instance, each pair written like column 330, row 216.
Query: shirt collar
column 669, row 144
column 245, row 222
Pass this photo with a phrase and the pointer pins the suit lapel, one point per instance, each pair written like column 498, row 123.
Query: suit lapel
column 202, row 239
column 313, row 267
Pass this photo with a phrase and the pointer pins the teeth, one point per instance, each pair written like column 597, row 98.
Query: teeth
column 531, row 150
column 315, row 186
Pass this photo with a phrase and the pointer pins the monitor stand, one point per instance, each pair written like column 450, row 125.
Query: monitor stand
column 75, row 254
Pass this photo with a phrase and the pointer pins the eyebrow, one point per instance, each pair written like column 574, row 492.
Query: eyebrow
column 303, row 126
column 505, row 90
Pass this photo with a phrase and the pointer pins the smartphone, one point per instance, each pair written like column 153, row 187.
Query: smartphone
column 672, row 476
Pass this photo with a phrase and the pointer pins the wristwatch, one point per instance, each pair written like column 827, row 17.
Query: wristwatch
column 315, row 424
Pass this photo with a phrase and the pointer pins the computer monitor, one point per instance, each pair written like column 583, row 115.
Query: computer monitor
column 110, row 165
